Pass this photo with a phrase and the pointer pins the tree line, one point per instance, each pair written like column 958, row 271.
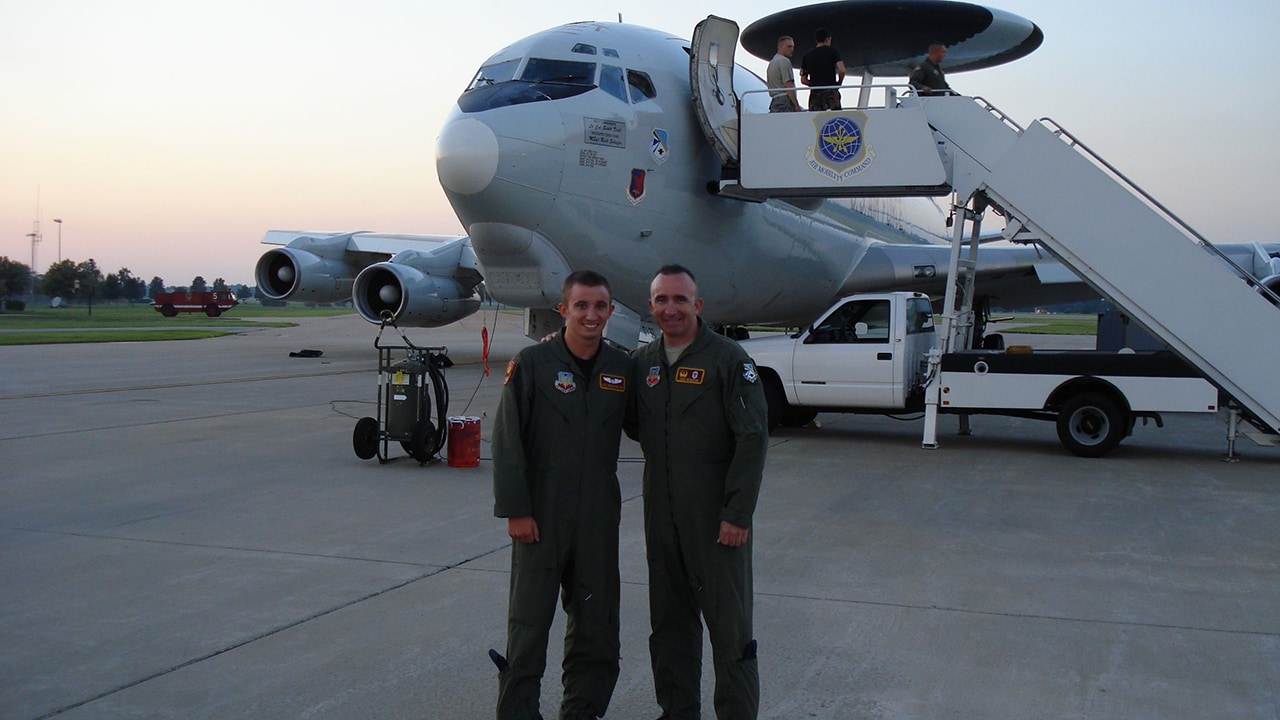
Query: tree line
column 85, row 281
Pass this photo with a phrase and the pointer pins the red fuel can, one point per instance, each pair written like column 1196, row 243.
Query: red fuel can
column 464, row 441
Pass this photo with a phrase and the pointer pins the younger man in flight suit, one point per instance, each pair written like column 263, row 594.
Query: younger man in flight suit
column 555, row 461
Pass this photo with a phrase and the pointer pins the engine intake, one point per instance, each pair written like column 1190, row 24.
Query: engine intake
column 411, row 297
column 292, row 274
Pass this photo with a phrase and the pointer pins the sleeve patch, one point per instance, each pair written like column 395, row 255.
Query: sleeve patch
column 511, row 368
column 749, row 372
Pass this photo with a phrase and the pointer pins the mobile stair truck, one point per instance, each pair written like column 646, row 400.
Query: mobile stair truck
column 1219, row 319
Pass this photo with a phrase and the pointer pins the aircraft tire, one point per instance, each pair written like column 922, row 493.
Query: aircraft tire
column 1091, row 424
column 365, row 438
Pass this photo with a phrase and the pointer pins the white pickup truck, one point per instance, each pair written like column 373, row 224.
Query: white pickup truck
column 870, row 354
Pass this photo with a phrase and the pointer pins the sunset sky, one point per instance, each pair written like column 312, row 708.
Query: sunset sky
column 168, row 136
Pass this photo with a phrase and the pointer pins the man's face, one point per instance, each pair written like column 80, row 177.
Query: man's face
column 787, row 48
column 586, row 312
column 936, row 53
column 674, row 302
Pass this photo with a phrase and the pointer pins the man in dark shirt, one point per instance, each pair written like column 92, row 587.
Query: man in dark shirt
column 928, row 78
column 822, row 67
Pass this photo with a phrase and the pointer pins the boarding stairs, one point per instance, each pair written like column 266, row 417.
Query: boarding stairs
column 1052, row 190
column 1057, row 193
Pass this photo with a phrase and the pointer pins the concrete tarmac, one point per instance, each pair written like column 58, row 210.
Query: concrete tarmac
column 186, row 532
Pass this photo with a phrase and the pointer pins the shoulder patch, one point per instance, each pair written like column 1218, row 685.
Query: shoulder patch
column 511, row 368
column 749, row 372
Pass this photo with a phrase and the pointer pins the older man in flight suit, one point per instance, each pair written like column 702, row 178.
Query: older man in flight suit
column 555, row 462
column 699, row 413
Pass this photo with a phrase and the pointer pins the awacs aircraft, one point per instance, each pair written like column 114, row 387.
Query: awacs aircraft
column 582, row 147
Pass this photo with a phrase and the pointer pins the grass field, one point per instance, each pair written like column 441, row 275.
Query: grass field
column 121, row 322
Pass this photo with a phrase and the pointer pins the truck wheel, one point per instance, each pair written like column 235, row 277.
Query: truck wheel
column 776, row 402
column 1091, row 424
column 212, row 310
column 423, row 444
column 365, row 438
column 797, row 417
column 168, row 310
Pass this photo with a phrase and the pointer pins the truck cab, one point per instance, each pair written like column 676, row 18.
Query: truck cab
column 867, row 352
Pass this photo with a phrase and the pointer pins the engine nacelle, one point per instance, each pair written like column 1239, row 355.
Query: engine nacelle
column 1272, row 283
column 292, row 274
column 411, row 297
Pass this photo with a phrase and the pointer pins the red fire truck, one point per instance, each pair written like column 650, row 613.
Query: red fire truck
column 211, row 303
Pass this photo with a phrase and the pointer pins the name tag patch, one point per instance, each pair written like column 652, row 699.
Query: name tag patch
column 690, row 376
column 616, row 383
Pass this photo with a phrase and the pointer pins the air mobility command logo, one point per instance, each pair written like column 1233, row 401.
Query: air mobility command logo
column 690, row 376
column 616, row 383
column 565, row 383
column 655, row 374
column 840, row 150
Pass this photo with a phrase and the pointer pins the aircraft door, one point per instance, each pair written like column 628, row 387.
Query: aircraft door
column 711, row 78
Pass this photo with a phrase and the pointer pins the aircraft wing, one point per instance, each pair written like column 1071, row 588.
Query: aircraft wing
column 419, row 280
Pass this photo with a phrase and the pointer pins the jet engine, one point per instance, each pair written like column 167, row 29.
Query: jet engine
column 411, row 296
column 1272, row 283
column 291, row 273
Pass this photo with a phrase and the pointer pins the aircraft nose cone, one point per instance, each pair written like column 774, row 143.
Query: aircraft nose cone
column 466, row 156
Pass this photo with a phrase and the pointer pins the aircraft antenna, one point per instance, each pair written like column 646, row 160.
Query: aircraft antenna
column 619, row 18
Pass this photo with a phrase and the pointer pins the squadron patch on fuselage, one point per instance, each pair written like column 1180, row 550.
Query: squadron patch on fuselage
column 658, row 148
column 635, row 191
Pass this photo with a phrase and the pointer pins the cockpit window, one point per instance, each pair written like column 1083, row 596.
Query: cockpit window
column 495, row 85
column 584, row 48
column 540, row 70
column 641, row 86
column 611, row 81
column 610, row 52
column 493, row 74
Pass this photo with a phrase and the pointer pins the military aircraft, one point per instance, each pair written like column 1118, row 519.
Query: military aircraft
column 585, row 147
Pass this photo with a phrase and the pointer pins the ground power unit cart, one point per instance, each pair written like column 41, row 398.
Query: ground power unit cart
column 410, row 377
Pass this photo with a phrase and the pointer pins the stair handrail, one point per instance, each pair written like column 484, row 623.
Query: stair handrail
column 1202, row 240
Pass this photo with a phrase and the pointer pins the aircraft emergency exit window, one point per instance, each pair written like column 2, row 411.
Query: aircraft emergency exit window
column 540, row 70
column 493, row 74
column 584, row 48
column 612, row 82
column 641, row 86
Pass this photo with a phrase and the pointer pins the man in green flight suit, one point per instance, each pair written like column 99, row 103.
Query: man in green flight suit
column 698, row 410
column 555, row 462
